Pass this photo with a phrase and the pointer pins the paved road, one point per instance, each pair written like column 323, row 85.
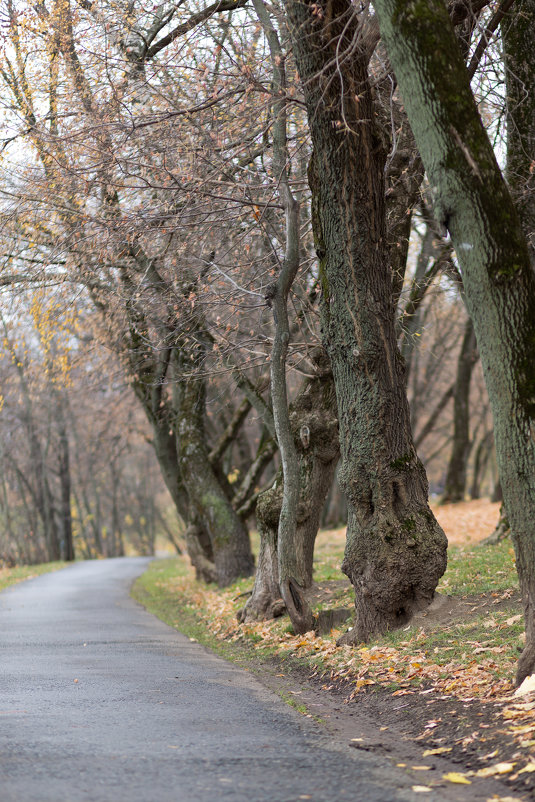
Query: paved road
column 101, row 701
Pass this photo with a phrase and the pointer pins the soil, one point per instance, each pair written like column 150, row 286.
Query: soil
column 403, row 727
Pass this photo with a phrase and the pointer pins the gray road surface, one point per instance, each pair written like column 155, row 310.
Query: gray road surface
column 101, row 701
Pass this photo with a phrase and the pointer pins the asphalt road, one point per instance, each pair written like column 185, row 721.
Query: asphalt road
column 99, row 700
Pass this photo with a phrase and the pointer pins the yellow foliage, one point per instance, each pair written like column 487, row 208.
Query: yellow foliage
column 54, row 325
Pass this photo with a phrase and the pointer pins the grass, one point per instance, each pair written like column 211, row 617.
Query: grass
column 10, row 576
column 166, row 589
column 479, row 569
column 476, row 654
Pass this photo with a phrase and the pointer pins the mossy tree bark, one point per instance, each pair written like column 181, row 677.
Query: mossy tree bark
column 228, row 536
column 216, row 538
column 396, row 551
column 473, row 202
column 314, row 426
column 150, row 370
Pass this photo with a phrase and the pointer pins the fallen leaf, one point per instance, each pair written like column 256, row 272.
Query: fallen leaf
column 522, row 729
column 420, row 768
column 513, row 620
column 528, row 767
column 439, row 751
column 524, row 706
column 456, row 777
column 493, row 771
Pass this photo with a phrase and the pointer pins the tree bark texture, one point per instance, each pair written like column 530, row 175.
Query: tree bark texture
column 163, row 420
column 519, row 54
column 455, row 485
column 228, row 535
column 473, row 202
column 396, row 551
column 314, row 427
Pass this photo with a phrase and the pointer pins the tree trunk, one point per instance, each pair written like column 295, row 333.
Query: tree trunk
column 455, row 485
column 265, row 600
column 228, row 535
column 335, row 509
column 502, row 530
column 481, row 460
column 65, row 484
column 519, row 55
column 162, row 420
column 410, row 317
column 115, row 517
column 396, row 551
column 314, row 429
column 497, row 491
column 473, row 202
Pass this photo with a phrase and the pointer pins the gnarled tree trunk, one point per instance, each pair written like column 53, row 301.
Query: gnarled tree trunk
column 160, row 414
column 315, row 432
column 396, row 551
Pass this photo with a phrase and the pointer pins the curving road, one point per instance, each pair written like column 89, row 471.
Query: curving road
column 99, row 700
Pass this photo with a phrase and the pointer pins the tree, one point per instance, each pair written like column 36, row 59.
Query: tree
column 314, row 429
column 133, row 274
column 519, row 62
column 472, row 201
column 396, row 552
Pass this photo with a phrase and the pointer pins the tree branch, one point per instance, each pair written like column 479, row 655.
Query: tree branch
column 192, row 22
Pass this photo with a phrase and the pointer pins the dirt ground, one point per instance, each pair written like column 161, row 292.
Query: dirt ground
column 462, row 733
